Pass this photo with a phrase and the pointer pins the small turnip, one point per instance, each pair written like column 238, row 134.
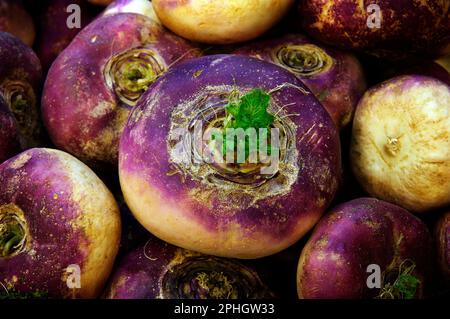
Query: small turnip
column 56, row 218
column 406, row 27
column 220, row 22
column 20, row 85
column 335, row 77
column 158, row 270
column 365, row 232
column 400, row 148
column 100, row 76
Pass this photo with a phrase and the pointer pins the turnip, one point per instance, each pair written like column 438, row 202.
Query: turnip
column 99, row 77
column 144, row 7
column 55, row 35
column 443, row 245
column 20, row 85
column 9, row 134
column 160, row 270
column 400, row 148
column 356, row 238
column 387, row 28
column 245, row 209
column 220, row 22
column 58, row 221
column 336, row 78
column 15, row 19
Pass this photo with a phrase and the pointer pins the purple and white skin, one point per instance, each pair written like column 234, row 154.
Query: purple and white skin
column 442, row 236
column 55, row 35
column 400, row 148
column 20, row 85
column 218, row 208
column 144, row 7
column 335, row 77
column 99, row 77
column 55, row 215
column 406, row 27
column 9, row 133
column 355, row 235
column 158, row 270
column 15, row 19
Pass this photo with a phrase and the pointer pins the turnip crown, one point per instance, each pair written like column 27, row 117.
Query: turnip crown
column 247, row 111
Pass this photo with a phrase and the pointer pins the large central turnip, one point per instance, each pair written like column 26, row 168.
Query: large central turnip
column 243, row 210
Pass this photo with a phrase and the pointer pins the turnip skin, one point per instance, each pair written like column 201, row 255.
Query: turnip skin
column 15, row 19
column 70, row 217
column 20, row 85
column 144, row 7
column 400, row 148
column 407, row 27
column 158, row 270
column 354, row 235
column 84, row 115
column 338, row 84
column 442, row 234
column 220, row 22
column 101, row 2
column 54, row 34
column 9, row 133
column 209, row 218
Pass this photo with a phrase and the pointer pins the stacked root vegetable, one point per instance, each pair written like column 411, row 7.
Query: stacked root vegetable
column 106, row 191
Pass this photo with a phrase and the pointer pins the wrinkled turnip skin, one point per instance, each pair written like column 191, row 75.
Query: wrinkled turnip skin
column 15, row 19
column 71, row 217
column 354, row 235
column 20, row 65
column 209, row 219
column 443, row 245
column 55, row 36
column 400, row 148
column 144, row 7
column 338, row 88
column 220, row 22
column 9, row 134
column 140, row 274
column 82, row 114
column 408, row 26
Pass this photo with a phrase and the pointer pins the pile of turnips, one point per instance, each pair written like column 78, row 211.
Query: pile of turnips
column 224, row 149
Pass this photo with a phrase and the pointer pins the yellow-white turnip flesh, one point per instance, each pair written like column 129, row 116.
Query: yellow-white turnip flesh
column 400, row 148
column 218, row 21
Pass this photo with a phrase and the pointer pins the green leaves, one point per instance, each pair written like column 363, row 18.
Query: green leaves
column 406, row 285
column 249, row 111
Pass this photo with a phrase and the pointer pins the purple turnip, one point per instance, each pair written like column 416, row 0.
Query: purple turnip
column 443, row 245
column 336, row 78
column 220, row 22
column 388, row 28
column 55, row 34
column 58, row 223
column 158, row 270
column 15, row 19
column 354, row 239
column 9, row 133
column 99, row 77
column 101, row 2
column 400, row 148
column 239, row 209
column 20, row 85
